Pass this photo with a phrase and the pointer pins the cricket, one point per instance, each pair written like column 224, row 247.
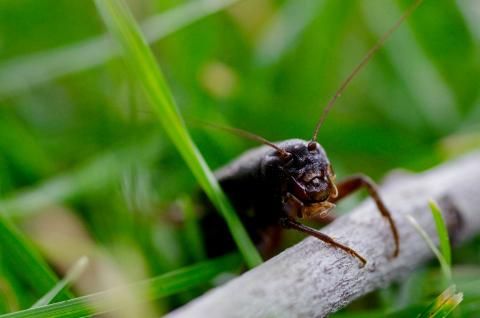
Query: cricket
column 274, row 186
column 239, row 158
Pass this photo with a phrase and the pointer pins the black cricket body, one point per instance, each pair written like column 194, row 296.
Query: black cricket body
column 267, row 186
column 275, row 185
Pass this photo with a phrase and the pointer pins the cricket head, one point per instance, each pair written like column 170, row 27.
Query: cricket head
column 303, row 172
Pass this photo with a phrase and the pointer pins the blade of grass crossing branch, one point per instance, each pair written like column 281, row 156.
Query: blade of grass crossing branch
column 443, row 263
column 443, row 304
column 121, row 24
column 161, row 286
column 442, row 231
column 23, row 259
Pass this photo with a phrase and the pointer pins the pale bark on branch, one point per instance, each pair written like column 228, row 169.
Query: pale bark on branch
column 312, row 279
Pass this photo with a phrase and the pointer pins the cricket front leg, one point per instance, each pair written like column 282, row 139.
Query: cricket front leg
column 356, row 182
column 288, row 223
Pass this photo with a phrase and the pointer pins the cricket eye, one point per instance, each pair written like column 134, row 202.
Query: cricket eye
column 312, row 146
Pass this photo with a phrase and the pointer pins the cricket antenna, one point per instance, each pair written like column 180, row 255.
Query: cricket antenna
column 247, row 135
column 362, row 63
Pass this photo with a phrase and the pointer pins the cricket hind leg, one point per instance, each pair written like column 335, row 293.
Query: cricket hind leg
column 292, row 224
column 354, row 183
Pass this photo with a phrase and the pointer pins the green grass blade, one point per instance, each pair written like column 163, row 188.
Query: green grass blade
column 284, row 29
column 468, row 9
column 123, row 27
column 28, row 71
column 72, row 275
column 442, row 231
column 443, row 304
column 23, row 259
column 443, row 263
column 433, row 97
column 161, row 286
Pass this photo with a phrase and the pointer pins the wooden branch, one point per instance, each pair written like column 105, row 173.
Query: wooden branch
column 312, row 279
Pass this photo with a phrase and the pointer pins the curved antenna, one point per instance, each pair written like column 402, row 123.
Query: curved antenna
column 362, row 63
column 247, row 135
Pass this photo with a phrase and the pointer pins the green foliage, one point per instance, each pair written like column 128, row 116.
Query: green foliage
column 122, row 25
column 24, row 261
column 110, row 300
column 85, row 169
column 444, row 264
column 69, row 278
column 442, row 232
column 443, row 304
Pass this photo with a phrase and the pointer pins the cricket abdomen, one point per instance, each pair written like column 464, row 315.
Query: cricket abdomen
column 252, row 198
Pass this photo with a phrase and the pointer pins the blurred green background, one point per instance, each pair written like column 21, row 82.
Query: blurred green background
column 85, row 168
